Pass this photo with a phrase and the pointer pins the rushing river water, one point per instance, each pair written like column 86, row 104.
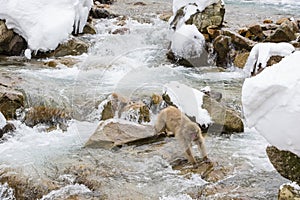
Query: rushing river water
column 135, row 64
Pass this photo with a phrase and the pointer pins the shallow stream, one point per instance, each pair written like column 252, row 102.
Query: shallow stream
column 134, row 64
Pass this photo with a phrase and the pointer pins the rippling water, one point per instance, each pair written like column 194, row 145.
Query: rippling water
column 134, row 64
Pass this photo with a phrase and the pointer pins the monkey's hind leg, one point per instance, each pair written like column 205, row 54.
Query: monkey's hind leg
column 201, row 146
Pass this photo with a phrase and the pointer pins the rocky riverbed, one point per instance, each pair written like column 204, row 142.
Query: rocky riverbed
column 53, row 157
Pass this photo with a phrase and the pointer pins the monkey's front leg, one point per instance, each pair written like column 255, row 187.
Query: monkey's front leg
column 190, row 156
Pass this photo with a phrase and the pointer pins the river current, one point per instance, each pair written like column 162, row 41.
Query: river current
column 134, row 64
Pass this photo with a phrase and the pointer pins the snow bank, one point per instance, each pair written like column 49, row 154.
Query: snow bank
column 43, row 23
column 271, row 103
column 187, row 42
column 188, row 100
column 261, row 53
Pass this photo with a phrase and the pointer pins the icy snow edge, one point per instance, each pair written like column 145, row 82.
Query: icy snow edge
column 271, row 103
column 45, row 24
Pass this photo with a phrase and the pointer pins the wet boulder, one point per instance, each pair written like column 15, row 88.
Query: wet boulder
column 121, row 107
column 98, row 13
column 111, row 134
column 74, row 47
column 286, row 32
column 285, row 162
column 5, row 126
column 11, row 43
column 224, row 119
column 222, row 48
column 238, row 41
column 253, row 32
column 10, row 101
column 240, row 59
column 48, row 116
column 289, row 192
column 212, row 15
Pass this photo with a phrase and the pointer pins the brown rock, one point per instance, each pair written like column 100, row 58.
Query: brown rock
column 222, row 48
column 256, row 32
column 213, row 32
column 281, row 20
column 165, row 16
column 48, row 116
column 89, row 29
column 72, row 47
column 241, row 59
column 121, row 31
column 239, row 42
column 274, row 60
column 286, row 32
column 212, row 15
column 10, row 101
column 287, row 192
column 268, row 21
column 285, row 162
column 108, row 111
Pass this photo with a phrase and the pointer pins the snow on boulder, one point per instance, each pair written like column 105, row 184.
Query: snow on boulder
column 200, row 4
column 261, row 53
column 2, row 120
column 189, row 101
column 187, row 42
column 42, row 23
column 271, row 103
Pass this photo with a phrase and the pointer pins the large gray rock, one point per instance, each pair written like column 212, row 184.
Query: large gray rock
column 110, row 134
column 224, row 119
column 286, row 163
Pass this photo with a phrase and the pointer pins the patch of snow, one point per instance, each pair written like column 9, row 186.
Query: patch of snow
column 292, row 184
column 42, row 23
column 188, row 100
column 187, row 42
column 201, row 4
column 2, row 120
column 261, row 53
column 271, row 103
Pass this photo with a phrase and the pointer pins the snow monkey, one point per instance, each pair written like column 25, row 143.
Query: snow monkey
column 173, row 120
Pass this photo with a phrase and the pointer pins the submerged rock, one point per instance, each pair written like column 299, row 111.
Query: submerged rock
column 285, row 162
column 110, row 134
column 48, row 116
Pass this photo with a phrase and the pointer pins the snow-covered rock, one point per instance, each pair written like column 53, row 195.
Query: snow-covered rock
column 189, row 101
column 42, row 23
column 261, row 53
column 187, row 42
column 201, row 4
column 271, row 103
